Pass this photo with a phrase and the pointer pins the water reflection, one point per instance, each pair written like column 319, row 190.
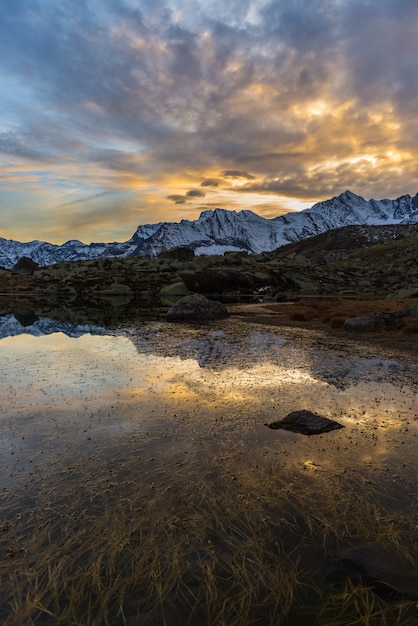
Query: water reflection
column 121, row 381
column 243, row 347
column 145, row 447
column 226, row 346
column 12, row 325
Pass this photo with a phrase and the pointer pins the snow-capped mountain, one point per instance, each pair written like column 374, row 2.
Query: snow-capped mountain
column 47, row 253
column 220, row 230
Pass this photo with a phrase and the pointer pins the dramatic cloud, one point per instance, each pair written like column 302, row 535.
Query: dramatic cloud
column 210, row 182
column 237, row 174
column 177, row 199
column 117, row 109
column 195, row 193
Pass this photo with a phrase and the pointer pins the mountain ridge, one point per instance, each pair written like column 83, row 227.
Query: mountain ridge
column 219, row 230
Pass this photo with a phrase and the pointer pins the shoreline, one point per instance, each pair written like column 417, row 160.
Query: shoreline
column 280, row 315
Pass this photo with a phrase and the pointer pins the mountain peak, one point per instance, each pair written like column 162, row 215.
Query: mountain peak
column 350, row 196
column 219, row 230
column 210, row 213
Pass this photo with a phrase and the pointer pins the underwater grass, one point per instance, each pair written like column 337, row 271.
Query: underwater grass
column 204, row 544
column 188, row 512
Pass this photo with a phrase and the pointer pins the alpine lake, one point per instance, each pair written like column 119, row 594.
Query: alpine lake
column 141, row 486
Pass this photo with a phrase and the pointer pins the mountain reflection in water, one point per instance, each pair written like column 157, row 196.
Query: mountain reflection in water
column 11, row 326
column 144, row 446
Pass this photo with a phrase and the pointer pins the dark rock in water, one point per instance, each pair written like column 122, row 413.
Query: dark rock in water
column 306, row 423
column 390, row 576
column 196, row 307
column 25, row 265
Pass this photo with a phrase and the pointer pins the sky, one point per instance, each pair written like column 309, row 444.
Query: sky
column 116, row 113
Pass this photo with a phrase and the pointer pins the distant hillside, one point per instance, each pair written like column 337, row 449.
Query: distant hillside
column 342, row 240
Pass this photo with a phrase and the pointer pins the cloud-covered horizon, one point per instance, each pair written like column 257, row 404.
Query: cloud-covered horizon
column 121, row 112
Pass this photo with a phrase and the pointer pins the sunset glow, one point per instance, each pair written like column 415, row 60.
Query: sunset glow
column 125, row 112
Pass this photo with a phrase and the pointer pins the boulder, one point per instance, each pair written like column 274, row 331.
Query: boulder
column 306, row 423
column 25, row 266
column 393, row 319
column 262, row 278
column 217, row 280
column 406, row 292
column 412, row 310
column 389, row 575
column 170, row 294
column 177, row 254
column 116, row 289
column 366, row 323
column 363, row 323
column 175, row 289
column 196, row 307
column 235, row 258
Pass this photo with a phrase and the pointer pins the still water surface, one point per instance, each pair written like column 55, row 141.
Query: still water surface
column 160, row 403
column 61, row 391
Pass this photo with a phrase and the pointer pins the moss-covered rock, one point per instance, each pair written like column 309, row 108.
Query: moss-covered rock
column 412, row 310
column 175, row 289
column 407, row 292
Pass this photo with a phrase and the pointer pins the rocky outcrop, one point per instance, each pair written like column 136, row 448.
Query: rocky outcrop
column 306, row 423
column 196, row 307
column 25, row 266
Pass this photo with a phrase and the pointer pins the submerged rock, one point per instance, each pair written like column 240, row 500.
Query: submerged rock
column 196, row 307
column 306, row 423
column 387, row 574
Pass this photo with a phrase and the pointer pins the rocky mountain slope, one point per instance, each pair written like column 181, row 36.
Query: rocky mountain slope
column 218, row 231
column 375, row 260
